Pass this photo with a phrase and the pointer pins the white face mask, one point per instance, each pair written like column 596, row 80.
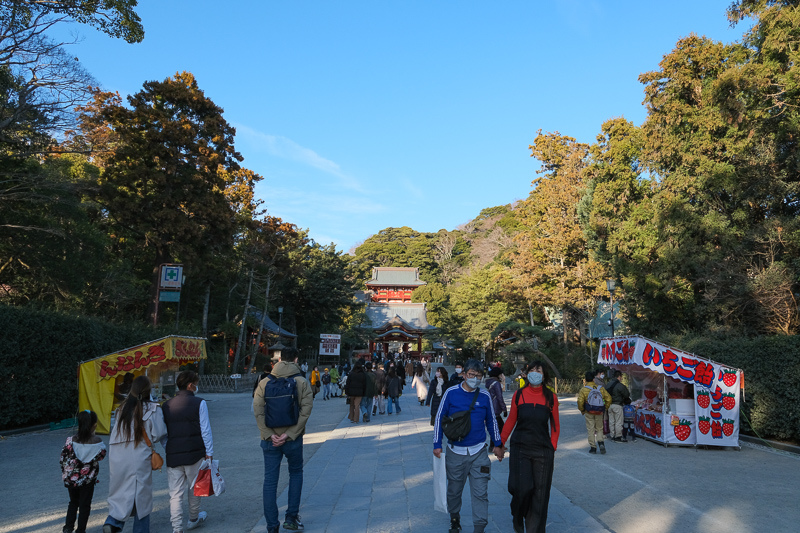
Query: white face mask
column 459, row 370
column 473, row 383
column 196, row 389
column 535, row 378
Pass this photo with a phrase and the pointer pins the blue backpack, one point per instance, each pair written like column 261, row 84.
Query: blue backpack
column 281, row 402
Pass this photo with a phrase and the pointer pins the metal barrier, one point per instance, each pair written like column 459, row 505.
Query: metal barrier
column 568, row 386
column 223, row 383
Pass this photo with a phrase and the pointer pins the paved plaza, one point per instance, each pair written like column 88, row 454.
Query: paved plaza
column 377, row 477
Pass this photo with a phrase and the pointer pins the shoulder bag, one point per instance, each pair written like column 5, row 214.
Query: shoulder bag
column 156, row 461
column 458, row 425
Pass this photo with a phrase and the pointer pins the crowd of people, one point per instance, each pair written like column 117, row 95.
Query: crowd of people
column 528, row 429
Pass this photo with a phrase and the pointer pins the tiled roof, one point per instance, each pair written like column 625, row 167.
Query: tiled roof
column 269, row 325
column 401, row 276
column 414, row 314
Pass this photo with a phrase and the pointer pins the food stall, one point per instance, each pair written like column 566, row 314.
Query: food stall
column 100, row 379
column 680, row 398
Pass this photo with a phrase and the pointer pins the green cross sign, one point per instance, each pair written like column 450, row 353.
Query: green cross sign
column 171, row 276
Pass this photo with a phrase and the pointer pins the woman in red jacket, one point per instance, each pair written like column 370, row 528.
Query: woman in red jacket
column 534, row 422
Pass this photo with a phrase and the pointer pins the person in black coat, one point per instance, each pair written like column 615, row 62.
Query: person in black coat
column 355, row 388
column 458, row 375
column 436, row 391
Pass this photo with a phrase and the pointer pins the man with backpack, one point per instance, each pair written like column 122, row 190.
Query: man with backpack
column 593, row 400
column 282, row 405
column 618, row 393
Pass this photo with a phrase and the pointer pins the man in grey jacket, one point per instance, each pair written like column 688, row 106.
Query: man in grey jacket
column 283, row 441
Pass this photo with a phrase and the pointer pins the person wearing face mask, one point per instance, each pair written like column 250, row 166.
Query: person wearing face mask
column 457, row 377
column 532, row 430
column 189, row 441
column 467, row 458
column 436, row 391
column 600, row 380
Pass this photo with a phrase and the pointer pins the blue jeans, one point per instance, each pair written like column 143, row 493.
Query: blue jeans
column 394, row 401
column 293, row 450
column 139, row 525
column 366, row 406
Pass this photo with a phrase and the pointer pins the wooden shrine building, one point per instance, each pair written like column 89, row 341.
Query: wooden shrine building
column 397, row 323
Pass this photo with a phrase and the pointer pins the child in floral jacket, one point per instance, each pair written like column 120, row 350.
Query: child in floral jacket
column 80, row 464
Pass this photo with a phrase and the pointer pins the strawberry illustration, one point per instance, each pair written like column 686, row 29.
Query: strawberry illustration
column 727, row 427
column 683, row 430
column 658, row 427
column 728, row 401
column 729, row 378
column 703, row 399
column 704, row 425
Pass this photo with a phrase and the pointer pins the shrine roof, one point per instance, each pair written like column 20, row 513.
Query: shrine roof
column 409, row 315
column 271, row 326
column 396, row 276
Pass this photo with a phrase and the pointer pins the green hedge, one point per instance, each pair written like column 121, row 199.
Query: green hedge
column 771, row 378
column 39, row 356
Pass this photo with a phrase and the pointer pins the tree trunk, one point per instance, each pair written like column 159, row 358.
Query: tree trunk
column 202, row 366
column 261, row 329
column 235, row 367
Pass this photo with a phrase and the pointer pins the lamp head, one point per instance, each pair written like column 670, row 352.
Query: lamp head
column 611, row 285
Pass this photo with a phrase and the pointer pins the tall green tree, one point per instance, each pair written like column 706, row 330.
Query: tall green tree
column 397, row 247
column 552, row 265
column 164, row 183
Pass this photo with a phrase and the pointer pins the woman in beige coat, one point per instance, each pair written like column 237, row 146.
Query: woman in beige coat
column 130, row 489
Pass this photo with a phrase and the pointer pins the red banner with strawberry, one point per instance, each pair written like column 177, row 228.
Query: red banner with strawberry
column 716, row 397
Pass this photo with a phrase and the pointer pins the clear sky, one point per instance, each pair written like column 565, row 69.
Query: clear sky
column 362, row 115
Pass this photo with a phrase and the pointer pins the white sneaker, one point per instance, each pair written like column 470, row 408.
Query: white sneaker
column 201, row 517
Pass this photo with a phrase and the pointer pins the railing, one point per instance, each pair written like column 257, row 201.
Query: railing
column 567, row 386
column 223, row 383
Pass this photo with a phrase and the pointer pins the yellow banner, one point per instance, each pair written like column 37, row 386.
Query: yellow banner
column 178, row 349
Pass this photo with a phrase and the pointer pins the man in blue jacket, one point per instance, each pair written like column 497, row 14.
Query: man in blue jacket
column 468, row 458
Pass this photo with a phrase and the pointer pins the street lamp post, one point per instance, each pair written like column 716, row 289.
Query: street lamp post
column 611, row 285
column 278, row 347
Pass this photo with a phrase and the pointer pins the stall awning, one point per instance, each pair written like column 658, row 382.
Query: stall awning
column 97, row 377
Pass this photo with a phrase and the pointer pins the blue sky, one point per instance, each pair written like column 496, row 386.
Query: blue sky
column 362, row 115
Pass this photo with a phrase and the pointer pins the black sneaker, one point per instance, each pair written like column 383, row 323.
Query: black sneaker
column 602, row 447
column 623, row 439
column 455, row 524
column 592, row 450
column 293, row 524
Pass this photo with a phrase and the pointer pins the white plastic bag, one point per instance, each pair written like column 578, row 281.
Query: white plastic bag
column 216, row 478
column 439, row 484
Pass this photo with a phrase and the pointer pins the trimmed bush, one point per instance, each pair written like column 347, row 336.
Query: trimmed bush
column 39, row 356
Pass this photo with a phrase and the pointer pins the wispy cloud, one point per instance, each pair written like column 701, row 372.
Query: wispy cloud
column 278, row 146
column 413, row 189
